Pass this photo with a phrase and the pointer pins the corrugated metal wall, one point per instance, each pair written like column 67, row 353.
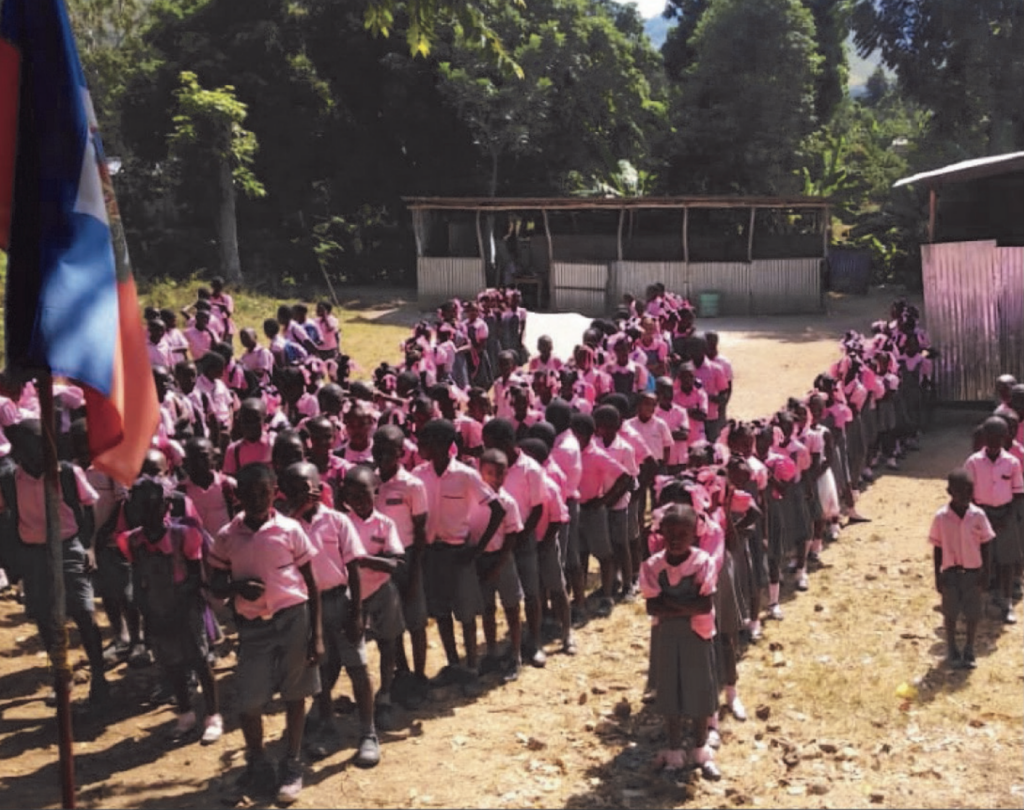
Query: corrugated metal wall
column 441, row 278
column 974, row 312
column 765, row 287
column 730, row 279
column 785, row 286
column 635, row 277
column 579, row 288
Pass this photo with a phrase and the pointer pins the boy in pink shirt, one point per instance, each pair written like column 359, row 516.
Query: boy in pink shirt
column 545, row 361
column 607, row 422
column 690, row 396
column 453, row 489
column 496, row 568
column 256, row 358
column 603, row 482
column 263, row 561
column 338, row 578
column 211, row 492
column 566, row 456
column 200, row 336
column 382, row 606
column 998, row 484
column 402, row 497
column 960, row 535
column 678, row 423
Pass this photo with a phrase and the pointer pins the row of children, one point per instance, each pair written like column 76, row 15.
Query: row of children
column 462, row 510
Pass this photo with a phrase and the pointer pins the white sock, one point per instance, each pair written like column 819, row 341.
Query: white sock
column 773, row 593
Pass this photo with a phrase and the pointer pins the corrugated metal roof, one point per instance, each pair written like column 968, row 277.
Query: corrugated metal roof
column 612, row 203
column 968, row 170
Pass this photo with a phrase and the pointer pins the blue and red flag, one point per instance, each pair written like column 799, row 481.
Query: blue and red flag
column 71, row 302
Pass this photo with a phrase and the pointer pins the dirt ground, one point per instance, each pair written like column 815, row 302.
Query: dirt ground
column 826, row 728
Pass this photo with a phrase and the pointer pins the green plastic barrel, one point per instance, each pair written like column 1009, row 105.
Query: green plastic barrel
column 707, row 304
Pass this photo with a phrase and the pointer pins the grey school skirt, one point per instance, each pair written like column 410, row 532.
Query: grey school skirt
column 796, row 520
column 684, row 671
column 856, row 451
column 728, row 611
column 840, row 461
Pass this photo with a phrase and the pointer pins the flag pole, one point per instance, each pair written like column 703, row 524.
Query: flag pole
column 55, row 553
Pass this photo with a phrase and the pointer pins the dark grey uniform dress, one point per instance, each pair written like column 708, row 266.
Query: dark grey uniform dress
column 684, row 666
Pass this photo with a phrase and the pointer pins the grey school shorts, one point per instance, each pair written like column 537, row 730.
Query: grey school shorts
column 1005, row 546
column 549, row 567
column 113, row 574
column 383, row 612
column 451, row 583
column 633, row 516
column 334, row 609
column 186, row 644
column 506, row 586
column 961, row 593
column 618, row 527
column 272, row 657
column 569, row 538
column 38, row 583
column 414, row 608
column 594, row 531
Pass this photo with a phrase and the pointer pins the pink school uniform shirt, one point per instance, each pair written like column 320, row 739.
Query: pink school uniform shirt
column 697, row 564
column 566, row 454
column 337, row 544
column 995, row 482
column 243, row 452
column 696, row 399
column 539, row 364
column 656, row 433
column 960, row 538
column 188, row 539
column 714, row 381
column 380, row 538
column 600, row 472
column 555, row 509
column 260, row 361
column 450, row 498
column 328, row 327
column 624, row 453
column 402, row 498
column 524, row 482
column 511, row 523
column 109, row 494
column 676, row 419
column 160, row 354
column 177, row 343
column 273, row 553
column 221, row 403
column 199, row 341
column 32, row 508
column 212, row 503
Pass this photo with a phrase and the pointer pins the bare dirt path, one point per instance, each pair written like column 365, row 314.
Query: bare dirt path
column 831, row 730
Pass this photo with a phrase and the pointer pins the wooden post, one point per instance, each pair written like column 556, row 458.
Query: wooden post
column 750, row 237
column 933, row 204
column 686, row 235
column 480, row 248
column 551, row 254
column 55, row 554
column 826, row 231
column 622, row 220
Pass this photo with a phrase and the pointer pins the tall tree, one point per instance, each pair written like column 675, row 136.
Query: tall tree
column 748, row 100
column 209, row 122
column 962, row 60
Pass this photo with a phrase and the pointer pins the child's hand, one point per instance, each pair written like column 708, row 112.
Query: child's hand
column 90, row 560
column 250, row 589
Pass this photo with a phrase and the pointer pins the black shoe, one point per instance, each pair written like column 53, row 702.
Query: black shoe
column 448, row 676
column 384, row 717
column 953, row 659
column 162, row 694
column 969, row 662
column 604, row 607
column 512, row 670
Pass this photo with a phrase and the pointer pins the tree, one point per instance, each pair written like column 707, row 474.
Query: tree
column 962, row 60
column 208, row 123
column 748, row 101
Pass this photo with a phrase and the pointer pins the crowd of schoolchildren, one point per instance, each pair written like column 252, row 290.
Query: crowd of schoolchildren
column 314, row 513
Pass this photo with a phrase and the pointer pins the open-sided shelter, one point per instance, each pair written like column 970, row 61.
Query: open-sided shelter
column 760, row 255
column 973, row 273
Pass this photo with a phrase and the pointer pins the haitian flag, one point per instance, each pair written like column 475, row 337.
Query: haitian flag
column 71, row 301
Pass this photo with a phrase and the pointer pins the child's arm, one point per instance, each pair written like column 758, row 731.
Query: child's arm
column 937, row 556
column 670, row 608
column 354, row 620
column 619, row 488
column 497, row 516
column 551, row 533
column 385, row 563
column 316, row 639
column 223, row 586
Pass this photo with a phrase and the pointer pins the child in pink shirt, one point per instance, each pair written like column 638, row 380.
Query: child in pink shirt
column 692, row 398
column 382, row 606
column 545, row 360
column 254, row 447
column 607, row 421
column 263, row 561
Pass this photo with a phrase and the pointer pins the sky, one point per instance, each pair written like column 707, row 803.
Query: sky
column 649, row 8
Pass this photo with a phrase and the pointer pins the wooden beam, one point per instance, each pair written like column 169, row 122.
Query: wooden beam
column 622, row 221
column 551, row 256
column 686, row 235
column 826, row 232
column 750, row 236
column 933, row 204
